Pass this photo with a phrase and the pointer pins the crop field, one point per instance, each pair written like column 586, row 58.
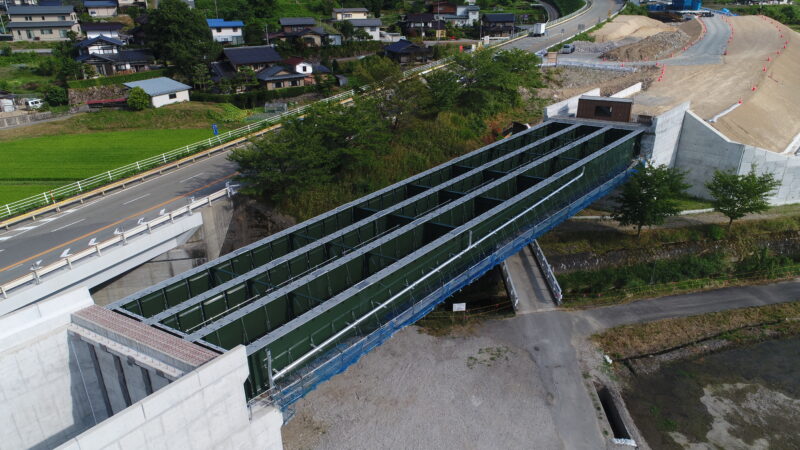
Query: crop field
column 34, row 165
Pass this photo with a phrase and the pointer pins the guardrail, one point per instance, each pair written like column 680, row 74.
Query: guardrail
column 614, row 67
column 547, row 271
column 122, row 238
column 80, row 190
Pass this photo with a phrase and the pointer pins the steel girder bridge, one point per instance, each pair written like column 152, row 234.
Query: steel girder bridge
column 309, row 301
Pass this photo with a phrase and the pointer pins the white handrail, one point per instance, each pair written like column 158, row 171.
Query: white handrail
column 146, row 227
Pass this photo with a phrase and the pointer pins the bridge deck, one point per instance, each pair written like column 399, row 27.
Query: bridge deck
column 297, row 295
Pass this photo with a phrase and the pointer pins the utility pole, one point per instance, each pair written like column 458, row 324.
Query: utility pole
column 266, row 32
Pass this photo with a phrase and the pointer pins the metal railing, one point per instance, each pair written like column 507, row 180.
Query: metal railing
column 48, row 201
column 547, row 271
column 36, row 274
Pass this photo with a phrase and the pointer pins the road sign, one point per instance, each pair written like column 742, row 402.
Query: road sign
column 459, row 307
column 214, row 129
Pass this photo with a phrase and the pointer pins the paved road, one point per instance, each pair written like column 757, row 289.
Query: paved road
column 72, row 230
column 552, row 12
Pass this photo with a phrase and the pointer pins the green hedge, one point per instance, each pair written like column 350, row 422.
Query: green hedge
column 106, row 81
column 252, row 99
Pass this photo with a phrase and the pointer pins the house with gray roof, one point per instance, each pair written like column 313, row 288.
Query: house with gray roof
column 109, row 56
column 162, row 90
column 42, row 23
column 349, row 13
column 371, row 26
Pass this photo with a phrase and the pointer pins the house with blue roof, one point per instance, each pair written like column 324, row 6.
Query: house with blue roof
column 227, row 31
column 101, row 8
column 162, row 90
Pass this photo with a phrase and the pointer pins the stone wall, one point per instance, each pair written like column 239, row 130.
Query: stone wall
column 81, row 96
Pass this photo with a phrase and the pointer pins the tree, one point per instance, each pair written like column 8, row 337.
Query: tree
column 345, row 27
column 445, row 88
column 55, row 96
column 649, row 197
column 200, row 77
column 360, row 35
column 737, row 195
column 181, row 36
column 138, row 99
column 378, row 69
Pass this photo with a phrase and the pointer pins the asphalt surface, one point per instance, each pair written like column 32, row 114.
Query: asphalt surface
column 54, row 236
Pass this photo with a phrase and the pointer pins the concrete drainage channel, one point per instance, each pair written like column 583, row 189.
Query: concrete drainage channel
column 621, row 434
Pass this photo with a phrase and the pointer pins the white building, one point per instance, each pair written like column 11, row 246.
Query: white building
column 162, row 90
column 101, row 8
column 371, row 26
column 227, row 31
column 349, row 13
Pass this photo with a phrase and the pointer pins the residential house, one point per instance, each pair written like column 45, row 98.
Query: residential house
column 101, row 8
column 349, row 13
column 107, row 29
column 405, row 52
column 423, row 25
column 371, row 26
column 162, row 90
column 255, row 58
column 500, row 24
column 42, row 23
column 292, row 72
column 108, row 57
column 465, row 16
column 8, row 3
column 227, row 31
column 305, row 30
column 289, row 24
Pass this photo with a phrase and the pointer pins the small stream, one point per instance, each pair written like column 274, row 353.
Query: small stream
column 746, row 397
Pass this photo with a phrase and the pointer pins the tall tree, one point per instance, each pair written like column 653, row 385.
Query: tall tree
column 649, row 197
column 737, row 195
column 180, row 36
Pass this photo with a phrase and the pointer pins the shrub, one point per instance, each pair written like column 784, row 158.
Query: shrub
column 138, row 99
column 55, row 96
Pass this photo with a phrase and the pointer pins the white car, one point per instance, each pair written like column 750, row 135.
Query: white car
column 34, row 103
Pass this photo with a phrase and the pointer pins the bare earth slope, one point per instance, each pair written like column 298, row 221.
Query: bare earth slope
column 630, row 26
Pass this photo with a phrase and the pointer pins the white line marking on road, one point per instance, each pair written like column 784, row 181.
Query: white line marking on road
column 92, row 242
column 162, row 211
column 49, row 219
column 137, row 198
column 67, row 225
column 65, row 253
column 2, row 250
column 193, row 176
column 26, row 228
column 5, row 238
column 116, row 231
column 139, row 222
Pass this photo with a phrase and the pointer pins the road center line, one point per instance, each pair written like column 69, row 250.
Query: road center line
column 137, row 198
column 67, row 225
column 193, row 176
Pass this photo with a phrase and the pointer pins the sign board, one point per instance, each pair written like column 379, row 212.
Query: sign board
column 459, row 307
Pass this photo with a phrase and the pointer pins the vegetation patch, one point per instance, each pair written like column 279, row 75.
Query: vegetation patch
column 489, row 356
column 118, row 79
column 771, row 321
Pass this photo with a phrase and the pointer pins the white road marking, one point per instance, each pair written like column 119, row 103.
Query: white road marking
column 67, row 225
column 116, row 231
column 139, row 222
column 193, row 176
column 49, row 219
column 26, row 228
column 92, row 242
column 5, row 238
column 65, row 253
column 137, row 198
column 163, row 210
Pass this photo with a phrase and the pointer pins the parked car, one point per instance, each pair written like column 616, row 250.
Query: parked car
column 33, row 103
column 567, row 48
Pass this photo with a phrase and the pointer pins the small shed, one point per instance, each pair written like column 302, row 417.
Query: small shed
column 162, row 90
column 605, row 108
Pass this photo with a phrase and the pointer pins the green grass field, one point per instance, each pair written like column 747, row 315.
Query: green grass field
column 34, row 165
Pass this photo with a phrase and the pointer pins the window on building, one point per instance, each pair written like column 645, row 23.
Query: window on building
column 219, row 30
column 295, row 83
column 235, row 29
column 42, row 17
column 278, row 84
column 602, row 111
column 173, row 96
column 347, row 16
column 62, row 18
column 28, row 18
column 63, row 33
column 47, row 31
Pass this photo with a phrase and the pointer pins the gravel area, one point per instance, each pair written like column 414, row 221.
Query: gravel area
column 465, row 391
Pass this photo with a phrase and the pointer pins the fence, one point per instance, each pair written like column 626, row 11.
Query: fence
column 37, row 274
column 614, row 67
column 48, row 201
column 547, row 271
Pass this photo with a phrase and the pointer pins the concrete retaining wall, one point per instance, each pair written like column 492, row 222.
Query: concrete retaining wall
column 43, row 399
column 628, row 91
column 24, row 119
column 204, row 409
column 702, row 150
column 567, row 107
column 662, row 144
